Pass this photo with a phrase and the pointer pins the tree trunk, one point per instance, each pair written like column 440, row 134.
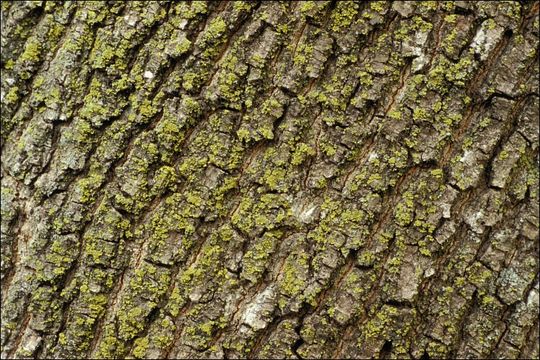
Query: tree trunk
column 270, row 180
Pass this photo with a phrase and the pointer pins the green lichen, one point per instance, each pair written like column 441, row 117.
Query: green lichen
column 379, row 324
column 87, row 187
column 140, row 347
column 12, row 96
column 405, row 209
column 256, row 258
column 32, row 51
column 215, row 29
column 292, row 282
column 343, row 15
column 301, row 153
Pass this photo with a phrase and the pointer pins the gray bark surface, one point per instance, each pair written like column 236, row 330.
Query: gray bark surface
column 269, row 179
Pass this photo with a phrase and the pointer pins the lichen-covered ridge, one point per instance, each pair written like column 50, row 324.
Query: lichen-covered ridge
column 312, row 179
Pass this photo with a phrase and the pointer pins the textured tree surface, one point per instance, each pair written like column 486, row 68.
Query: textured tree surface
column 270, row 180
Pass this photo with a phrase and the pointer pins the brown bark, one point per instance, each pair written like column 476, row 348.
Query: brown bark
column 270, row 179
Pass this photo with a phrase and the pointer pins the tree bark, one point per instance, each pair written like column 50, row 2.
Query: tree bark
column 270, row 179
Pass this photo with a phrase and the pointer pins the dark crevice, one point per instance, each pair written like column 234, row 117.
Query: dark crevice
column 386, row 350
column 296, row 346
column 399, row 304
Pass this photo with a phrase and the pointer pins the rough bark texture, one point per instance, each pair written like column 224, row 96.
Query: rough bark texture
column 270, row 180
